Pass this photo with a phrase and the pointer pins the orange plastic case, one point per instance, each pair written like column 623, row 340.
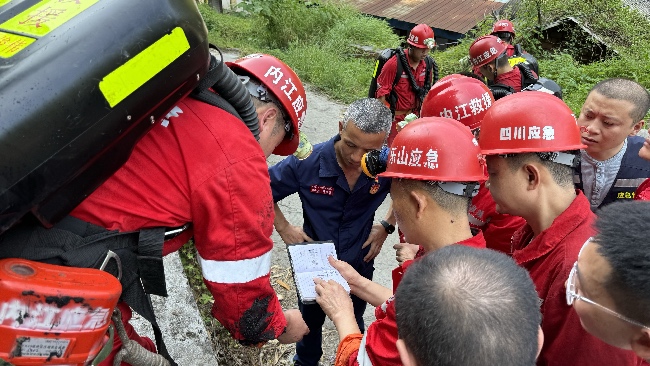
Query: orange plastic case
column 52, row 314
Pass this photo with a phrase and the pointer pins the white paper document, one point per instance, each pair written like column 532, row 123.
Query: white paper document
column 309, row 261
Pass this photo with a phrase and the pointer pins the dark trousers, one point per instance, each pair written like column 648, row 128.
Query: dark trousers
column 309, row 350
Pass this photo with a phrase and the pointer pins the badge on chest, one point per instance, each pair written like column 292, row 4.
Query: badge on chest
column 329, row 191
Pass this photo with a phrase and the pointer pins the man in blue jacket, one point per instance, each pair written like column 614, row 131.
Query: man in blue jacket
column 610, row 168
column 339, row 204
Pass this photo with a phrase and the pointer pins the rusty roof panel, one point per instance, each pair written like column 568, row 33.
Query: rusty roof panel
column 456, row 16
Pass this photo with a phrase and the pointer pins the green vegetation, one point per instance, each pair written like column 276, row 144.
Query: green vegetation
column 322, row 40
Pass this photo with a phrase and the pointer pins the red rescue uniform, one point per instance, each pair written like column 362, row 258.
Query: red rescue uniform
column 497, row 228
column 510, row 78
column 406, row 98
column 549, row 257
column 202, row 165
column 378, row 345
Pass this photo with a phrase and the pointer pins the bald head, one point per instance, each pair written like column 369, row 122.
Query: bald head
column 627, row 90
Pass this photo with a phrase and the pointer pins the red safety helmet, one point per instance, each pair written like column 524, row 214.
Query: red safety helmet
column 449, row 77
column 462, row 98
column 503, row 25
column 486, row 49
column 526, row 122
column 435, row 149
column 284, row 86
column 421, row 36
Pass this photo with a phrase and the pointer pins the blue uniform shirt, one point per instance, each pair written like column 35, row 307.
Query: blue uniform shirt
column 330, row 210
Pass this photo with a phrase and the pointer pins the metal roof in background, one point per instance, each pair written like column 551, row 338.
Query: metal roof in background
column 453, row 15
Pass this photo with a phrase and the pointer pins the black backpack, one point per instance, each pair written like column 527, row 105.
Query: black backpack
column 529, row 81
column 402, row 64
column 524, row 57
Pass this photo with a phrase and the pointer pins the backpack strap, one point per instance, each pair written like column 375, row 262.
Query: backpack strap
column 527, row 76
column 392, row 96
column 518, row 49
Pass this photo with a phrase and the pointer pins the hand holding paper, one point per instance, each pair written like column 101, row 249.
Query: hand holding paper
column 309, row 261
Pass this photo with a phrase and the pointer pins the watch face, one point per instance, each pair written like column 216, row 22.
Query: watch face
column 389, row 228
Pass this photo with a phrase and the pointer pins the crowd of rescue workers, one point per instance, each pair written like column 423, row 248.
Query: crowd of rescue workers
column 523, row 229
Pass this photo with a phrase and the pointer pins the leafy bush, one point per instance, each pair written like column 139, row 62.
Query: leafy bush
column 283, row 22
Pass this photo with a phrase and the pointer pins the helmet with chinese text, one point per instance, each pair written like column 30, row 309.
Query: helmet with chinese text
column 449, row 77
column 284, row 87
column 464, row 99
column 435, row 149
column 421, row 36
column 486, row 49
column 503, row 25
column 529, row 122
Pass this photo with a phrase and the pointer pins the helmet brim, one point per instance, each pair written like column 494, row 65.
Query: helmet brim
column 288, row 147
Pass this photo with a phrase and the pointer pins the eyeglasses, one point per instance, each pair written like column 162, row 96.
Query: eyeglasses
column 572, row 295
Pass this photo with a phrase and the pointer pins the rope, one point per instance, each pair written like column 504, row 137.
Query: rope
column 132, row 352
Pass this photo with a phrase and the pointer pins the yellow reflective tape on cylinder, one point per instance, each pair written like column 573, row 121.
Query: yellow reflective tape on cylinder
column 46, row 16
column 3, row 2
column 516, row 60
column 126, row 79
column 11, row 44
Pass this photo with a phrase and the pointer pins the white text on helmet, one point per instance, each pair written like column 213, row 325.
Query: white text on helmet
column 288, row 88
column 534, row 133
column 476, row 106
column 403, row 157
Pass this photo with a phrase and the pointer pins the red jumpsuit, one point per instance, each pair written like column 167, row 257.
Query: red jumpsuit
column 202, row 165
column 406, row 98
column 497, row 228
column 378, row 344
column 549, row 257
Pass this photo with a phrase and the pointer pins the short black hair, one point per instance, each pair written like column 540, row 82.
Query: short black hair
column 623, row 239
column 468, row 306
column 562, row 174
column 451, row 203
column 628, row 90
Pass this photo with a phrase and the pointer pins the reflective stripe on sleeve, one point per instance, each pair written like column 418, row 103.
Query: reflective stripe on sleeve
column 241, row 271
column 362, row 356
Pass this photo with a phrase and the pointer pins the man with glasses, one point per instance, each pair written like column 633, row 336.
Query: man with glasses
column 532, row 143
column 339, row 204
column 609, row 285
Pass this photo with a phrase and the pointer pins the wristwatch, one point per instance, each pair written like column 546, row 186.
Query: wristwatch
column 388, row 227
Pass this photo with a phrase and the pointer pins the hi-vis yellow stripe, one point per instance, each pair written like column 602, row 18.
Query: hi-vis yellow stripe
column 46, row 16
column 126, row 79
column 3, row 2
column 11, row 44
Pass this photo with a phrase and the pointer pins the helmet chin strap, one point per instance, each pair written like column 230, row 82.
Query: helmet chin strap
column 461, row 189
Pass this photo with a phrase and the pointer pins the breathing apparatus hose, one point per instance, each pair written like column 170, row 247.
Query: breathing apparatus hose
column 229, row 93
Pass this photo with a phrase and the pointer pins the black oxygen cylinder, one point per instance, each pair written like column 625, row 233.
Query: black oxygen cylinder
column 80, row 83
